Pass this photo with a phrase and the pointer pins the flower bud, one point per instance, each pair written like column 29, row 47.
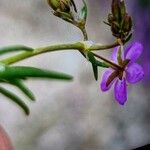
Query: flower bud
column 119, row 20
column 115, row 29
column 110, row 18
column 62, row 5
column 122, row 8
column 127, row 24
column 115, row 8
column 118, row 9
column 54, row 4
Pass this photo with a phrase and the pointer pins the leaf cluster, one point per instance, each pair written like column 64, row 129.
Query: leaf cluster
column 16, row 75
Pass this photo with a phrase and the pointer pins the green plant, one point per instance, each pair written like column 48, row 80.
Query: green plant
column 121, row 27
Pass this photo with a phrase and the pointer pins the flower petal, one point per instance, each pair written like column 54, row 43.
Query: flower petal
column 134, row 73
column 120, row 91
column 115, row 54
column 104, row 80
column 134, row 51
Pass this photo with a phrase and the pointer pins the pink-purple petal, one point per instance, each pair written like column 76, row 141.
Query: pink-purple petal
column 134, row 51
column 105, row 77
column 120, row 91
column 134, row 73
column 115, row 54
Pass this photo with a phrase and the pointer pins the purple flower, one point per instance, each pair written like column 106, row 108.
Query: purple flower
column 129, row 71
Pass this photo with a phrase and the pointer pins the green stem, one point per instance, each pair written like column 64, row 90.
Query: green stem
column 37, row 51
column 82, row 28
column 75, row 46
column 84, row 33
column 104, row 47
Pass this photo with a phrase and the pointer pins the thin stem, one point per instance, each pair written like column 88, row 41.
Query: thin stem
column 82, row 27
column 103, row 47
column 37, row 51
column 113, row 65
column 84, row 33
column 75, row 46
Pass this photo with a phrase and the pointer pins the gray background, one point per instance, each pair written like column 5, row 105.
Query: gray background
column 69, row 115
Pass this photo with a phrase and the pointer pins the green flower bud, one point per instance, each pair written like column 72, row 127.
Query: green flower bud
column 54, row 4
column 115, row 29
column 62, row 5
column 122, row 8
column 127, row 24
column 119, row 20
column 118, row 9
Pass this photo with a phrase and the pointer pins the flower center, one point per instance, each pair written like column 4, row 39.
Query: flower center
column 118, row 72
column 121, row 72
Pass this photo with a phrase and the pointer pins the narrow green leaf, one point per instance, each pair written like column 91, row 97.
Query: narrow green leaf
column 14, row 48
column 84, row 10
column 94, row 65
column 91, row 57
column 102, row 64
column 24, row 72
column 95, row 70
column 18, row 83
column 15, row 99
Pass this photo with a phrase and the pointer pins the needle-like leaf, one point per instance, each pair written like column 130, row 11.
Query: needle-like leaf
column 18, row 83
column 102, row 64
column 15, row 99
column 94, row 65
column 24, row 72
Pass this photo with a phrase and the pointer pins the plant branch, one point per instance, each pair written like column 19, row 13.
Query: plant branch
column 58, row 47
column 37, row 51
column 97, row 47
column 85, row 35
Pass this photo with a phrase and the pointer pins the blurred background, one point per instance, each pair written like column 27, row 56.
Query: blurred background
column 74, row 115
